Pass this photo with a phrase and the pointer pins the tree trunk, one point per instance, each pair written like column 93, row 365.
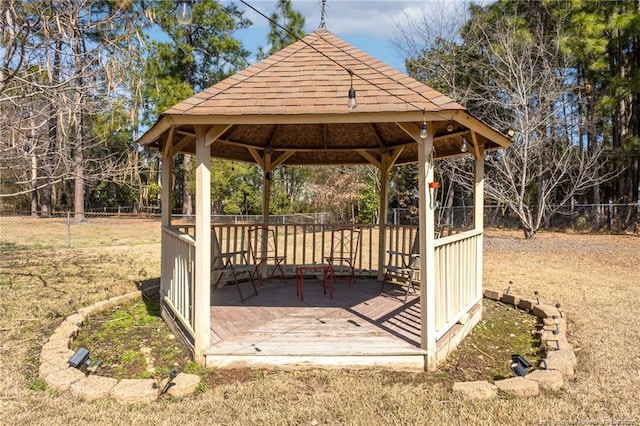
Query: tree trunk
column 187, row 205
column 592, row 135
column 78, row 156
column 78, row 164
column 52, row 122
column 34, row 184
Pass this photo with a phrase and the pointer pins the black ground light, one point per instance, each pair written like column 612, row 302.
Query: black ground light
column 172, row 375
column 80, row 360
column 519, row 365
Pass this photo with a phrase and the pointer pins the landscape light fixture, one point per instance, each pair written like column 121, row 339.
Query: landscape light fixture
column 555, row 321
column 423, row 126
column 463, row 145
column 80, row 360
column 172, row 375
column 558, row 306
column 537, row 297
column 183, row 12
column 519, row 365
column 351, row 103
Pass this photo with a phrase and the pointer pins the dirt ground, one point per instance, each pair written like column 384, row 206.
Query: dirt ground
column 594, row 277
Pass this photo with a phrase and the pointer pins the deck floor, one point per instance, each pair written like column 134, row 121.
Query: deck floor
column 358, row 323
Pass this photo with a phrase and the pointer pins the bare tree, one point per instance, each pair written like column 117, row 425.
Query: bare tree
column 511, row 75
column 62, row 97
column 337, row 190
column 527, row 92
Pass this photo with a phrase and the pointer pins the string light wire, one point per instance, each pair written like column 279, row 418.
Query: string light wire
column 348, row 70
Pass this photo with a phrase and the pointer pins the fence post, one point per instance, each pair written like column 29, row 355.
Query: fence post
column 68, row 229
column 610, row 214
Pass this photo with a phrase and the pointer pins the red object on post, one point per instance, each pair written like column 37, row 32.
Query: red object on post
column 434, row 185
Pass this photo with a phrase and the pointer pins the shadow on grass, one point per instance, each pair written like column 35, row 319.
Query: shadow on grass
column 150, row 290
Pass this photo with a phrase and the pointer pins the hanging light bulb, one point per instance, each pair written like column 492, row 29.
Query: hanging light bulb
column 450, row 127
column 183, row 12
column 351, row 103
column 423, row 130
column 423, row 126
column 463, row 146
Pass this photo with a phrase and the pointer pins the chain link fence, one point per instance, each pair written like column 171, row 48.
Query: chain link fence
column 591, row 218
column 20, row 230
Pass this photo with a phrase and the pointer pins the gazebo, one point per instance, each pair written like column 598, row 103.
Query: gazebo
column 291, row 109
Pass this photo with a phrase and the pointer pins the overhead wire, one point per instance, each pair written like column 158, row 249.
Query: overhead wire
column 348, row 70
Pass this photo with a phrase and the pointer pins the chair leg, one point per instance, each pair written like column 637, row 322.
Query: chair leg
column 253, row 284
column 282, row 274
column 235, row 278
column 300, row 284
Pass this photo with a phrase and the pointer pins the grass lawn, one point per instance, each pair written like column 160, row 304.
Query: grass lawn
column 594, row 277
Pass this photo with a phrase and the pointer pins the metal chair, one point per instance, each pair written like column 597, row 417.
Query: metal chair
column 403, row 268
column 344, row 249
column 263, row 249
column 236, row 263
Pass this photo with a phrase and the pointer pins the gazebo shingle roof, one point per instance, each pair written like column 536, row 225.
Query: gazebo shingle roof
column 311, row 77
column 294, row 105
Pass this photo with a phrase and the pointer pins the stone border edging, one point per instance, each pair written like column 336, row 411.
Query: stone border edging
column 54, row 370
column 560, row 357
column 58, row 375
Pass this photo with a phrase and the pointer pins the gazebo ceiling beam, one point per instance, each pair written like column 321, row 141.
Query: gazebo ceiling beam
column 186, row 140
column 477, row 126
column 167, row 149
column 393, row 157
column 272, row 134
column 324, row 136
column 256, row 157
column 364, row 117
column 215, row 132
column 311, row 149
column 475, row 144
column 268, row 164
column 411, row 129
column 376, row 134
column 450, row 135
column 282, row 158
column 370, row 158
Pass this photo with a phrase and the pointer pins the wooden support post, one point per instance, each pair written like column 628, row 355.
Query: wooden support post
column 202, row 293
column 165, row 205
column 382, row 220
column 167, row 177
column 266, row 192
column 478, row 211
column 427, row 250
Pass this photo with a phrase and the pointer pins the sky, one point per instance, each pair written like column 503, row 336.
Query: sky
column 368, row 25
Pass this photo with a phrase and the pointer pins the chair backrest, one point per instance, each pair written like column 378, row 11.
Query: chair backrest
column 344, row 245
column 263, row 244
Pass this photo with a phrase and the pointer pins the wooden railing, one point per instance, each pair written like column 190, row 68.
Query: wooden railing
column 457, row 263
column 178, row 275
column 458, row 285
column 302, row 243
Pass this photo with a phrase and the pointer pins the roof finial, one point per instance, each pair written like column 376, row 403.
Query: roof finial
column 323, row 15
